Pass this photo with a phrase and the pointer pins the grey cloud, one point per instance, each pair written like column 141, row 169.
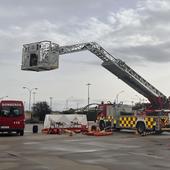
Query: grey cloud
column 79, row 21
column 24, row 12
column 152, row 53
column 139, row 35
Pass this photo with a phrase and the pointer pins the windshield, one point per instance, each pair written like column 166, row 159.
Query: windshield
column 12, row 111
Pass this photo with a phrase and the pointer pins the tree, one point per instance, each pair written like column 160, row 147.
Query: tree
column 40, row 109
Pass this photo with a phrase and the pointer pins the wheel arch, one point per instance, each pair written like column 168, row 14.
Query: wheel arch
column 141, row 127
column 140, row 121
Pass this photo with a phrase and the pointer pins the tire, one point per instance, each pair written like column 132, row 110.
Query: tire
column 102, row 125
column 108, row 125
column 21, row 133
column 140, row 127
column 35, row 129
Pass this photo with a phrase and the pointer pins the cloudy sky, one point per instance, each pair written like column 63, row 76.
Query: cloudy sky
column 136, row 31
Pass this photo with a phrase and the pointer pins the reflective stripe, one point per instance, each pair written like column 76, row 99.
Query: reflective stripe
column 109, row 118
column 150, row 122
column 127, row 121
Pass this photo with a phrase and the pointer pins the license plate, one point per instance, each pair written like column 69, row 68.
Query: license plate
column 4, row 127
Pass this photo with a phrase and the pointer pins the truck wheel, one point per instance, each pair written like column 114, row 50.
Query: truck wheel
column 108, row 125
column 21, row 133
column 140, row 127
column 102, row 125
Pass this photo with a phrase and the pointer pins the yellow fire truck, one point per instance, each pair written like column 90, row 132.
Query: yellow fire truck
column 155, row 121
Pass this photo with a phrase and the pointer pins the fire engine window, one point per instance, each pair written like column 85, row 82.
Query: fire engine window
column 33, row 60
column 4, row 112
column 14, row 112
column 10, row 111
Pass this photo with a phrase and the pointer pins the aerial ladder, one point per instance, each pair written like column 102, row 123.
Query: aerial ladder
column 44, row 55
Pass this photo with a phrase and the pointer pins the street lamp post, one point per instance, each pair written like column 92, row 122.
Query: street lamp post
column 68, row 100
column 117, row 96
column 30, row 91
column 34, row 97
column 88, row 101
column 51, row 100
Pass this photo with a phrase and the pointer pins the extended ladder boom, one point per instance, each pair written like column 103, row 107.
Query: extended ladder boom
column 114, row 65
column 119, row 68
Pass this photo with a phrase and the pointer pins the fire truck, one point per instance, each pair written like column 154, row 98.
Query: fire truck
column 144, row 120
column 12, row 118
column 44, row 55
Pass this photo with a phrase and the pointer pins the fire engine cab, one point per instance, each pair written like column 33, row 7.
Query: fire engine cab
column 12, row 118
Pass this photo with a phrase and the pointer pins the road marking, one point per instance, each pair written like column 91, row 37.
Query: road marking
column 31, row 143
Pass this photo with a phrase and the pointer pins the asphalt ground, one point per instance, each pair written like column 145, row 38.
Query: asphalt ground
column 121, row 151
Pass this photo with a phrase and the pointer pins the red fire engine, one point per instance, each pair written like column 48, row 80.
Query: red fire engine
column 12, row 118
column 44, row 55
column 111, row 116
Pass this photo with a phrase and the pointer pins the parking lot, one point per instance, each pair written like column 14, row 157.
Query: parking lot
column 122, row 150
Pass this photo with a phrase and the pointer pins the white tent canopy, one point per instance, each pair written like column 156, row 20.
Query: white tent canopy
column 65, row 120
